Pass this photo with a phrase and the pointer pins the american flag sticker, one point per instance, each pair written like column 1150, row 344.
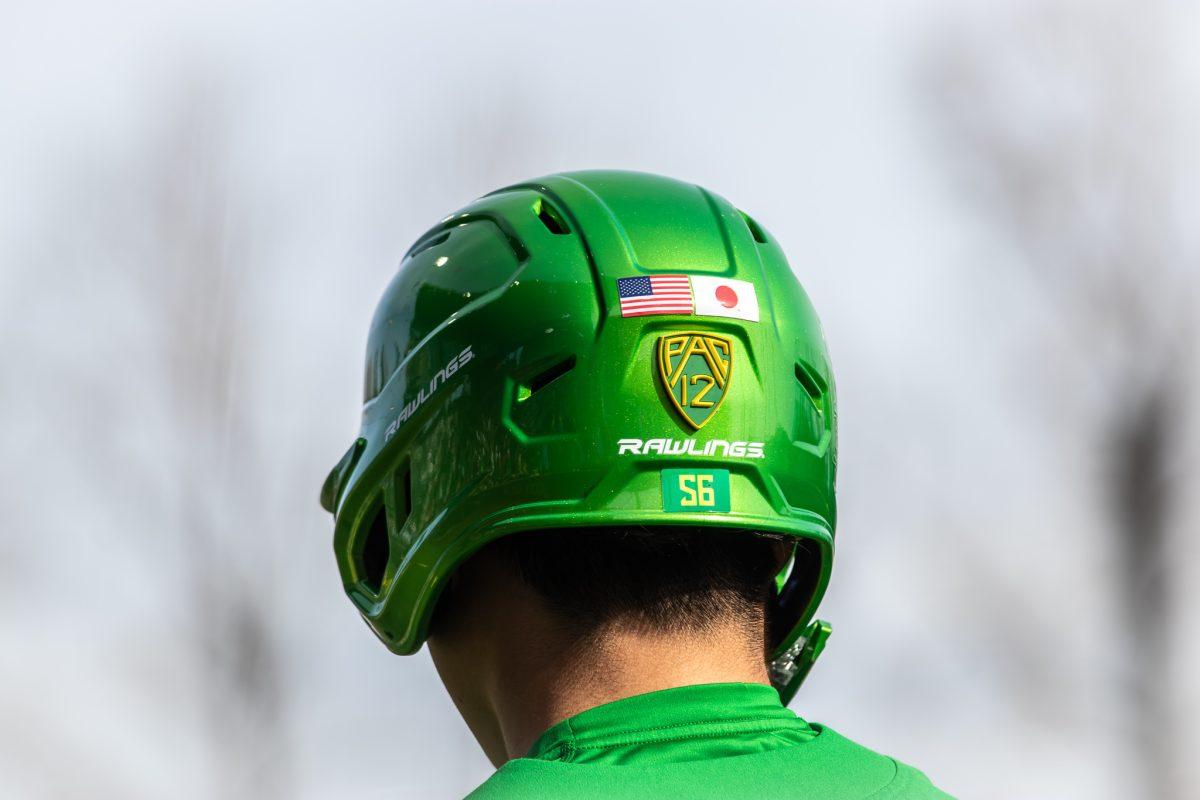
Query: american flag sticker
column 699, row 295
column 656, row 294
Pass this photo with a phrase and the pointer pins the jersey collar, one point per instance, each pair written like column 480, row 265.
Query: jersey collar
column 670, row 714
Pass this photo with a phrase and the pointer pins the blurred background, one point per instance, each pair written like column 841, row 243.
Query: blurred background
column 992, row 205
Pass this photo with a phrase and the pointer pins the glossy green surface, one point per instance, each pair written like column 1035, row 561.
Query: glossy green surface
column 503, row 389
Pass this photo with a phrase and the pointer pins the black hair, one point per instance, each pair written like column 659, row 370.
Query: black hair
column 656, row 580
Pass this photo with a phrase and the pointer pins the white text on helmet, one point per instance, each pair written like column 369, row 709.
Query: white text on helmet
column 424, row 393
column 689, row 447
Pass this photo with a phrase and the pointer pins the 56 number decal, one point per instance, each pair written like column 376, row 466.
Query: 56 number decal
column 695, row 490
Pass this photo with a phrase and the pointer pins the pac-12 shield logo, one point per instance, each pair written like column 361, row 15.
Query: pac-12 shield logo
column 695, row 369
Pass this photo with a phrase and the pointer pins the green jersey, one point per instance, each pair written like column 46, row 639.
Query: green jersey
column 726, row 741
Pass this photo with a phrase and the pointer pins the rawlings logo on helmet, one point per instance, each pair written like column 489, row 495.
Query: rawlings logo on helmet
column 690, row 447
column 424, row 393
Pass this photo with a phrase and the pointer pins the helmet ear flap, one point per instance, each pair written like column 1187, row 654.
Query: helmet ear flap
column 795, row 587
column 792, row 648
column 335, row 482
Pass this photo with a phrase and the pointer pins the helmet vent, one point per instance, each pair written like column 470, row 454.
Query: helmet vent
column 545, row 378
column 403, row 497
column 813, row 384
column 756, row 230
column 429, row 244
column 550, row 218
column 375, row 551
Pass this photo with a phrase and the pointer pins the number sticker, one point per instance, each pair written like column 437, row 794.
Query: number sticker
column 695, row 490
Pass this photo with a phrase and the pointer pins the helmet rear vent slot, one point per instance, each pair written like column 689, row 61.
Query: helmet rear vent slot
column 403, row 497
column 429, row 244
column 551, row 218
column 756, row 230
column 545, row 378
column 812, row 383
column 376, row 549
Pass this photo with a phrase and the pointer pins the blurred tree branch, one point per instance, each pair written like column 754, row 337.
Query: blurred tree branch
column 163, row 267
column 195, row 287
column 1063, row 138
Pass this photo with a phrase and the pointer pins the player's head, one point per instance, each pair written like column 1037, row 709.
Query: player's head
column 580, row 369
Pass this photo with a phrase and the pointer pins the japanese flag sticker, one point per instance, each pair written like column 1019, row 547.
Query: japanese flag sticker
column 724, row 297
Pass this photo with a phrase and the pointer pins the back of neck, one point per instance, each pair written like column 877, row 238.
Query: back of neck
column 536, row 690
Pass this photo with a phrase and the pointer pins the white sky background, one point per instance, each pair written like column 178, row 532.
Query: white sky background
column 968, row 498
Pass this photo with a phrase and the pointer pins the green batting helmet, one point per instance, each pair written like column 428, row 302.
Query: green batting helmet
column 589, row 350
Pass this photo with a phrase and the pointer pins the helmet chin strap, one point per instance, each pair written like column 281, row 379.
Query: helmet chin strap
column 789, row 669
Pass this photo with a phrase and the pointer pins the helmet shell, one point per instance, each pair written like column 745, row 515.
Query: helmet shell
column 506, row 391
